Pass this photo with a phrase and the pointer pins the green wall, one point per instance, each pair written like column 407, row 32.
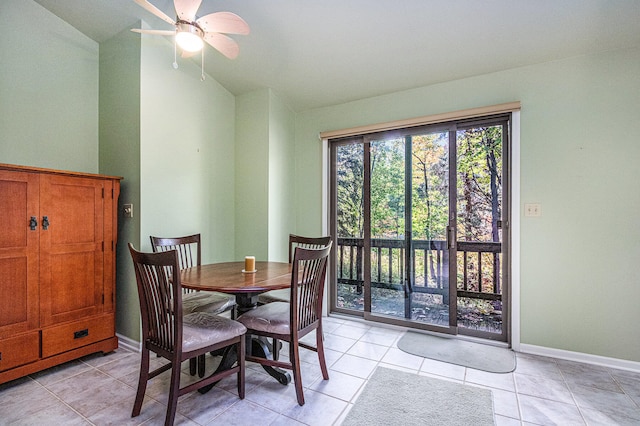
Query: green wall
column 579, row 284
column 120, row 156
column 48, row 90
column 265, row 147
column 187, row 129
column 252, row 174
column 281, row 183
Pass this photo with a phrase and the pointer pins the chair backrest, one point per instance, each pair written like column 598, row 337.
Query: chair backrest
column 160, row 300
column 307, row 286
column 188, row 248
column 306, row 242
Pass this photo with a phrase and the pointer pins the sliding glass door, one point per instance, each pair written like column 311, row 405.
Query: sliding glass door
column 418, row 215
column 409, row 217
column 481, row 225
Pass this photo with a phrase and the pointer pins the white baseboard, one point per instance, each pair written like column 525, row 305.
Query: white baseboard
column 581, row 357
column 127, row 343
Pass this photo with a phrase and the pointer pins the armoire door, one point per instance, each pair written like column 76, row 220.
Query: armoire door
column 19, row 245
column 71, row 248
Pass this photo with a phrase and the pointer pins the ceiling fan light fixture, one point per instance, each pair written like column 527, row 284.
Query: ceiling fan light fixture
column 189, row 37
column 191, row 32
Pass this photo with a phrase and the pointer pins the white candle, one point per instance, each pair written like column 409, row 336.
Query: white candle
column 249, row 263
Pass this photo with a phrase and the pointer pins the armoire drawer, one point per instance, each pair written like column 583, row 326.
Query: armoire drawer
column 19, row 350
column 73, row 335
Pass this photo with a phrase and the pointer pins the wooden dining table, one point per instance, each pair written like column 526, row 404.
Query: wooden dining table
column 229, row 278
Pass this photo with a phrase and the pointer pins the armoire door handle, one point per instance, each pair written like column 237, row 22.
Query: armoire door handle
column 45, row 223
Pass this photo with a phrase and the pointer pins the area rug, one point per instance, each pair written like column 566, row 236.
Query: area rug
column 393, row 397
column 454, row 351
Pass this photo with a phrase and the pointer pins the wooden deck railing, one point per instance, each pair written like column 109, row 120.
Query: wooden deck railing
column 478, row 271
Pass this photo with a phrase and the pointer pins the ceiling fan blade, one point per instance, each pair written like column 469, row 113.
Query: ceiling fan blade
column 225, row 45
column 154, row 32
column 186, row 9
column 151, row 8
column 223, row 22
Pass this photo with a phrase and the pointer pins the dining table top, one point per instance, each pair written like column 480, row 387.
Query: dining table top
column 228, row 277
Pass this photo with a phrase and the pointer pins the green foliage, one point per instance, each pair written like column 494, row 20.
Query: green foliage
column 479, row 169
column 430, row 186
column 387, row 189
column 479, row 186
column 350, row 180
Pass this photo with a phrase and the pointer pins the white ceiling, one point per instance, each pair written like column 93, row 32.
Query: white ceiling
column 325, row 52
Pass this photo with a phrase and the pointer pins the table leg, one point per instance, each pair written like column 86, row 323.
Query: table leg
column 229, row 357
column 259, row 346
column 245, row 302
column 255, row 345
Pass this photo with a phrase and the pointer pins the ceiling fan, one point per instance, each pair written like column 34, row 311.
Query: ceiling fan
column 191, row 33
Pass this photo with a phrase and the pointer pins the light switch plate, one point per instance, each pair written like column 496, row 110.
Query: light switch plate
column 128, row 210
column 532, row 210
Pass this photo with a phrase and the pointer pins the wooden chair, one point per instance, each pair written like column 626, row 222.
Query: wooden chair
column 289, row 321
column 294, row 241
column 177, row 337
column 189, row 253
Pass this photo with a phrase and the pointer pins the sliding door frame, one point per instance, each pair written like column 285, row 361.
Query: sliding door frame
column 365, row 140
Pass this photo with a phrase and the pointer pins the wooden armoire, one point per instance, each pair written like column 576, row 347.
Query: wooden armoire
column 58, row 232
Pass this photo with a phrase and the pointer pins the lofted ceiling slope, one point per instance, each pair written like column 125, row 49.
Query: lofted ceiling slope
column 320, row 53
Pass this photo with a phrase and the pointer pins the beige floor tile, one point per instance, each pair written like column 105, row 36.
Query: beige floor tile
column 368, row 350
column 542, row 390
column 203, row 408
column 606, row 402
column 60, row 372
column 25, row 401
column 506, row 421
column 338, row 343
column 274, row 396
column 319, row 409
column 340, row 385
column 355, row 366
column 120, row 413
column 58, row 414
column 444, row 369
column 491, row 380
column 381, row 337
column 545, row 412
column 542, row 387
column 243, row 413
column 285, row 421
column 91, row 391
column 347, row 330
column 505, row 403
column 402, row 359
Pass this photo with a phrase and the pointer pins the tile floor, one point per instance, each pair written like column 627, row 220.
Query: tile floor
column 99, row 390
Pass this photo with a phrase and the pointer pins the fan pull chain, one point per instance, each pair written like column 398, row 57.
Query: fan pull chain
column 175, row 55
column 202, row 65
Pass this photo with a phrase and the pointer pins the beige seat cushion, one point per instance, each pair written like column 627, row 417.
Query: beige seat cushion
column 201, row 329
column 282, row 295
column 207, row 301
column 272, row 318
